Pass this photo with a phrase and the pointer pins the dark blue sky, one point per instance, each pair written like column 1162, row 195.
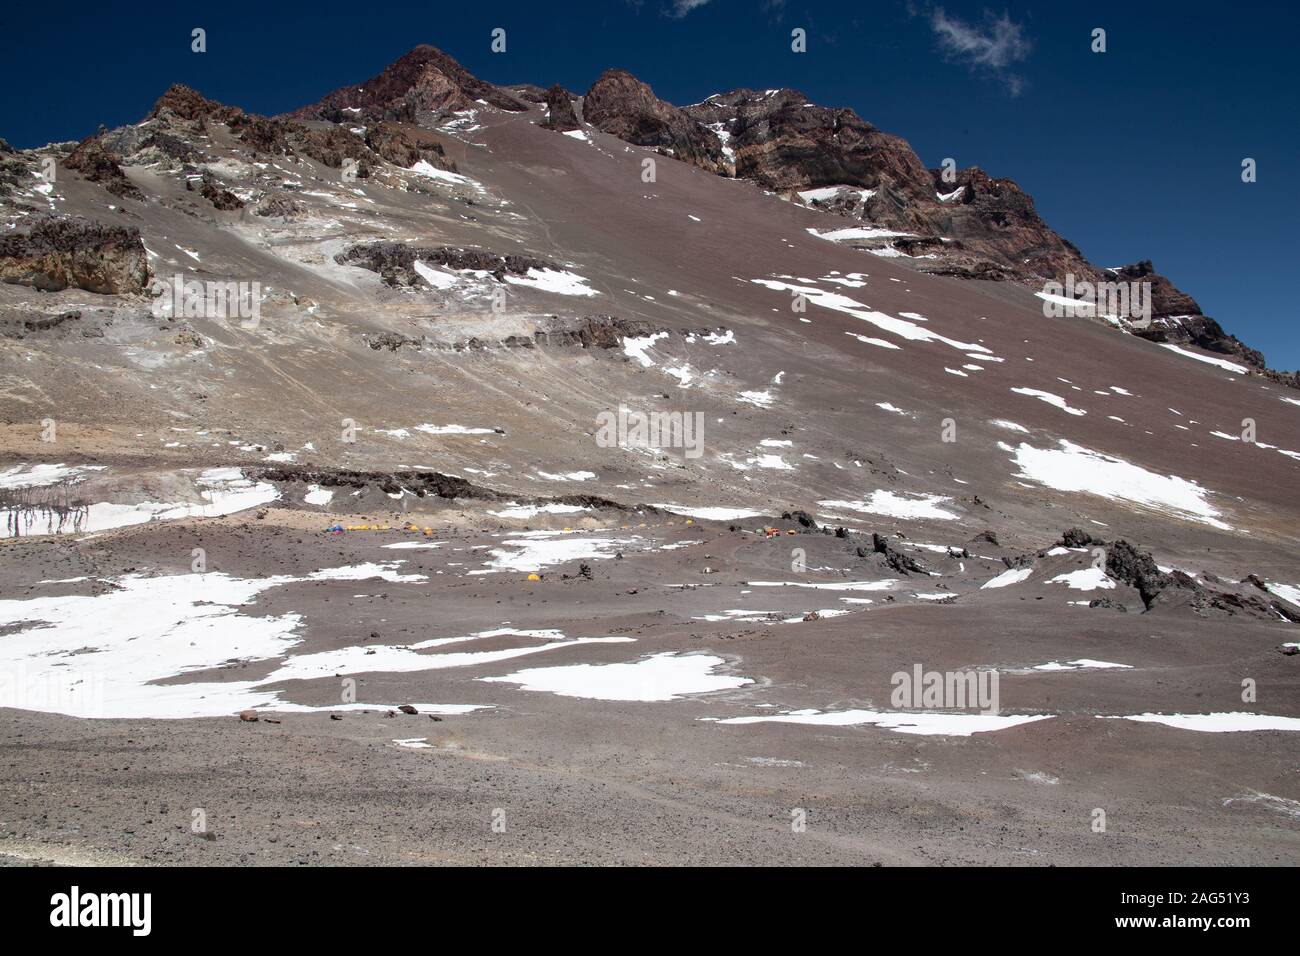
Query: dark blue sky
column 1135, row 153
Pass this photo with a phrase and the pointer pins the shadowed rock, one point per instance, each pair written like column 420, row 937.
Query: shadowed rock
column 58, row 253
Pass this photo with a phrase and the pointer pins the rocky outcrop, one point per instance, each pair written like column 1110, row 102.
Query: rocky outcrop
column 994, row 221
column 900, row 562
column 273, row 136
column 1176, row 589
column 420, row 483
column 560, row 115
column 1166, row 300
column 405, row 145
column 58, row 253
column 183, row 103
column 529, row 92
column 220, row 197
column 423, row 82
column 620, row 104
column 279, row 206
column 588, row 332
column 94, row 161
column 395, row 261
column 785, row 143
column 13, row 172
column 1176, row 318
column 973, row 227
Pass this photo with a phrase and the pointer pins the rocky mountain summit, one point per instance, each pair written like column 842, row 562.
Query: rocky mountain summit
column 425, row 82
column 962, row 223
column 620, row 104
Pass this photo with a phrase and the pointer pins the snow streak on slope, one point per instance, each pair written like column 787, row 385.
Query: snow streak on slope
column 1074, row 468
column 842, row 303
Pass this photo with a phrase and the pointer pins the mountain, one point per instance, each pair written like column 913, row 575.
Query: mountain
column 425, row 81
column 333, row 418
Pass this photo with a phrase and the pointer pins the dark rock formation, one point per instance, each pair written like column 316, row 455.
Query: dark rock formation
column 596, row 332
column 93, row 160
column 994, row 221
column 528, row 92
column 279, row 206
column 1176, row 318
column 560, row 115
column 589, row 332
column 1135, row 568
column 1165, row 299
column 420, row 483
column 620, row 104
column 783, row 142
column 328, row 145
column 219, row 196
column 1138, row 570
column 804, row 519
column 395, row 261
column 57, row 253
column 1078, row 538
column 405, row 145
column 426, row 80
column 181, row 102
column 900, row 562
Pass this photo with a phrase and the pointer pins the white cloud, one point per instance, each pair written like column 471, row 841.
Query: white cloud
column 994, row 47
column 683, row 7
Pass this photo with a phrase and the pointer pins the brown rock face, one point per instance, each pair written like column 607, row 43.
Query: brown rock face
column 620, row 104
column 405, row 145
column 220, row 197
column 184, row 103
column 72, row 252
column 783, row 142
column 426, row 80
column 1165, row 298
column 93, row 160
column 994, row 220
column 560, row 115
column 273, row 136
column 1176, row 318
column 395, row 261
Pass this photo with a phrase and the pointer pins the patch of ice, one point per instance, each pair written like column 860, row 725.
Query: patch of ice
column 710, row 513
column 897, row 505
column 1074, row 468
column 841, row 303
column 924, row 723
column 532, row 511
column 1050, row 399
column 1287, row 592
column 98, row 656
column 659, row 677
column 1209, row 360
column 316, row 495
column 1085, row 579
column 423, row 168
column 438, row 278
column 534, row 553
column 637, row 348
column 1007, row 578
column 557, row 281
column 1216, row 723
column 1082, row 663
